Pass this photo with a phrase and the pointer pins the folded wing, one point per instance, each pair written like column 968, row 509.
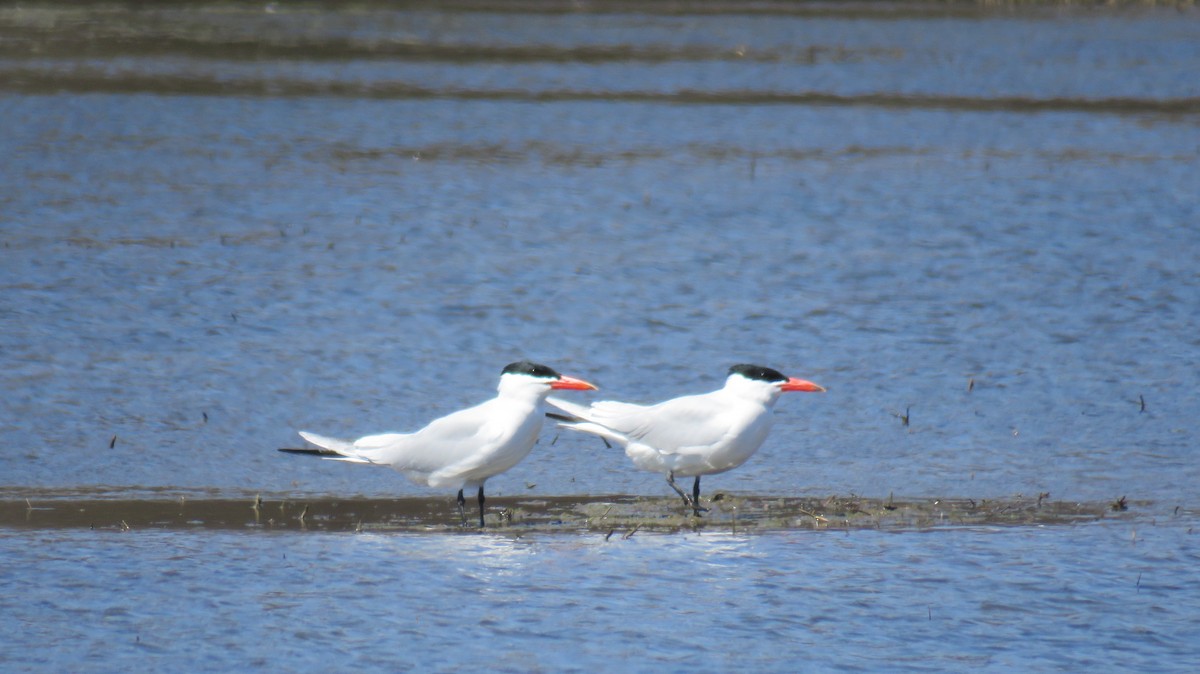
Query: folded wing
column 690, row 423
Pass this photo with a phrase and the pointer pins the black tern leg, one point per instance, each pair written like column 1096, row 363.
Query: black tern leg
column 682, row 494
column 462, row 513
column 480, row 506
column 693, row 501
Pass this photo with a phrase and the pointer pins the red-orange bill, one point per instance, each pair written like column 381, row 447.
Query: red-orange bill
column 794, row 384
column 573, row 384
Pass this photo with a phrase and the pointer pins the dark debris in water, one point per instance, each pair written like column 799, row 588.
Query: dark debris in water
column 611, row 515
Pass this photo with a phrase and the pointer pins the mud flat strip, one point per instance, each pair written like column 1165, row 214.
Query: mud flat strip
column 83, row 80
column 609, row 514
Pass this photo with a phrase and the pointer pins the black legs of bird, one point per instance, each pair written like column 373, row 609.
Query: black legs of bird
column 480, row 506
column 462, row 502
column 694, row 499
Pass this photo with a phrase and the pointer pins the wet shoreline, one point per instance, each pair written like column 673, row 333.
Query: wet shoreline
column 91, row 81
column 533, row 52
column 614, row 514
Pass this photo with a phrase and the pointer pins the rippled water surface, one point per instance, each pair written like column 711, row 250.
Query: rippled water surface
column 221, row 224
column 866, row 601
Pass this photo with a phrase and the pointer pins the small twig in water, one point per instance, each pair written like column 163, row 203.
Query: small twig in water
column 813, row 515
column 889, row 505
column 112, row 443
column 629, row 534
column 903, row 417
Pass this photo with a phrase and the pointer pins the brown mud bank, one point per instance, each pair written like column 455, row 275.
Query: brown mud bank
column 608, row 514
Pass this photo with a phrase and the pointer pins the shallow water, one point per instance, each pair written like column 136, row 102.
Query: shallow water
column 864, row 601
column 222, row 225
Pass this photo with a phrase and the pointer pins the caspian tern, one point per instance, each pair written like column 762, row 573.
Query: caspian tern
column 692, row 435
column 465, row 448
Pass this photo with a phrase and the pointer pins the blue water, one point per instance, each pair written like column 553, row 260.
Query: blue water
column 191, row 273
column 353, row 295
column 859, row 601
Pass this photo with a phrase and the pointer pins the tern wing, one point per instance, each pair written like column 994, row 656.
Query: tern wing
column 444, row 441
column 690, row 423
column 503, row 435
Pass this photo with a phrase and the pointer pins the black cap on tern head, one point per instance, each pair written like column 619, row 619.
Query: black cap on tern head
column 757, row 372
column 532, row 369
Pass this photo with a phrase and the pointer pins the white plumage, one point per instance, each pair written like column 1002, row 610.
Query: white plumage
column 693, row 435
column 462, row 449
